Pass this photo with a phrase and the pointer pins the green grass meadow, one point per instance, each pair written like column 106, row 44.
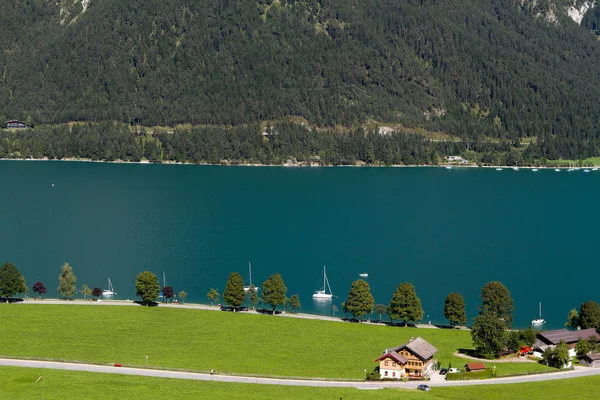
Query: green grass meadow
column 19, row 384
column 200, row 340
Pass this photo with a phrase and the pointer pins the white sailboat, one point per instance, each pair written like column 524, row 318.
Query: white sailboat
column 110, row 291
column 322, row 294
column 363, row 275
column 247, row 288
column 539, row 320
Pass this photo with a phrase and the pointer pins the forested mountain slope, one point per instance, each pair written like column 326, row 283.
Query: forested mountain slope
column 493, row 68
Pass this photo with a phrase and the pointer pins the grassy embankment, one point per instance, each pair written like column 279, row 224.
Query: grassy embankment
column 201, row 340
column 19, row 384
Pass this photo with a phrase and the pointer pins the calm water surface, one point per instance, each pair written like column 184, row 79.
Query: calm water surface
column 443, row 230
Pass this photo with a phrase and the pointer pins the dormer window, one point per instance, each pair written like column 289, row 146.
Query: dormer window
column 385, row 363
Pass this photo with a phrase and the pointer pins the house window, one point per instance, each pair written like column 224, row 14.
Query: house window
column 394, row 374
column 385, row 373
column 393, row 364
column 385, row 363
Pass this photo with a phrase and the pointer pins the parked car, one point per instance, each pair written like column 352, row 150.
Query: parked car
column 453, row 370
column 424, row 387
column 443, row 371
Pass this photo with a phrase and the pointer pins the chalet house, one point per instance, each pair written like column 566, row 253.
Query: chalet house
column 590, row 360
column 14, row 124
column 549, row 339
column 471, row 367
column 413, row 359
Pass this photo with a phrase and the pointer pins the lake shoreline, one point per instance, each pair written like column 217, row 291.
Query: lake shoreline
column 289, row 164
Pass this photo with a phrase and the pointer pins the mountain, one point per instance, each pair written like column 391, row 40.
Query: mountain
column 503, row 69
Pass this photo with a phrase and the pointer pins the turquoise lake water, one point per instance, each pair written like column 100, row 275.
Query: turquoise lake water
column 442, row 230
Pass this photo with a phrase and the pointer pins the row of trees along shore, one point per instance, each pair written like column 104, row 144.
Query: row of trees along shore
column 13, row 282
column 276, row 144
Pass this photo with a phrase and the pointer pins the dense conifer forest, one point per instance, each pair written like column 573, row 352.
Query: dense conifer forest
column 489, row 74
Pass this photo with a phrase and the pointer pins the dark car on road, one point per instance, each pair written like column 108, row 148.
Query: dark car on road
column 425, row 388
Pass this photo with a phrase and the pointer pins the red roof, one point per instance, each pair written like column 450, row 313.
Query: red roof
column 475, row 366
column 394, row 356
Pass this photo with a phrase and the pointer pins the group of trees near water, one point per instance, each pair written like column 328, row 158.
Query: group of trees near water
column 13, row 282
column 148, row 288
column 272, row 145
column 474, row 70
column 274, row 293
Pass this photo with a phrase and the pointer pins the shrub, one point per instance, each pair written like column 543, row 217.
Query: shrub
column 465, row 376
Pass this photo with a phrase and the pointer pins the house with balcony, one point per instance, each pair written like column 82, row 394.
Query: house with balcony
column 414, row 359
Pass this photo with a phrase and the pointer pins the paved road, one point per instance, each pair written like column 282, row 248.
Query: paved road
column 578, row 372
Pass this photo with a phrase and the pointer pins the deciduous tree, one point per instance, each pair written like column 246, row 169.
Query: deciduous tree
column 67, row 281
column 182, row 295
column 10, row 280
column 147, row 287
column 582, row 347
column 39, row 288
column 295, row 302
column 455, row 310
column 380, row 309
column 168, row 293
column 496, row 299
column 487, row 334
column 234, row 293
column 572, row 320
column 360, row 300
column 253, row 296
column 557, row 357
column 97, row 292
column 213, row 296
column 86, row 291
column 589, row 315
column 405, row 305
column 274, row 291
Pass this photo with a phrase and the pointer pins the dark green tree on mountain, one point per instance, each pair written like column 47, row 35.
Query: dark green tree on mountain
column 360, row 300
column 274, row 291
column 234, row 294
column 496, row 300
column 455, row 310
column 405, row 305
column 10, row 281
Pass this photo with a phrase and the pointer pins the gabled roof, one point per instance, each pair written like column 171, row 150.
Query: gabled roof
column 399, row 358
column 475, row 366
column 592, row 356
column 555, row 336
column 418, row 347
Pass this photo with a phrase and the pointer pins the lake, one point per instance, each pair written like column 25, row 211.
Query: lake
column 442, row 230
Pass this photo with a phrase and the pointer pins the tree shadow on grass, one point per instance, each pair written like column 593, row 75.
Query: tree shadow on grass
column 470, row 353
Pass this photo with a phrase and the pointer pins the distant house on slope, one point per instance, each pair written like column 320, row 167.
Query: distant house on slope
column 413, row 359
column 14, row 124
column 549, row 339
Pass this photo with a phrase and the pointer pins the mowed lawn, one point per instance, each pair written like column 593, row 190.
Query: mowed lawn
column 201, row 340
column 19, row 384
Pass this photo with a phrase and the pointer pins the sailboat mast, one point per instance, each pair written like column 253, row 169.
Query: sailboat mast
column 326, row 281
column 250, row 271
column 164, row 279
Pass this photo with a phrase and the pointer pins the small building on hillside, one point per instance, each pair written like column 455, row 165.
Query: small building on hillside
column 413, row 359
column 14, row 124
column 590, row 360
column 549, row 339
column 477, row 366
